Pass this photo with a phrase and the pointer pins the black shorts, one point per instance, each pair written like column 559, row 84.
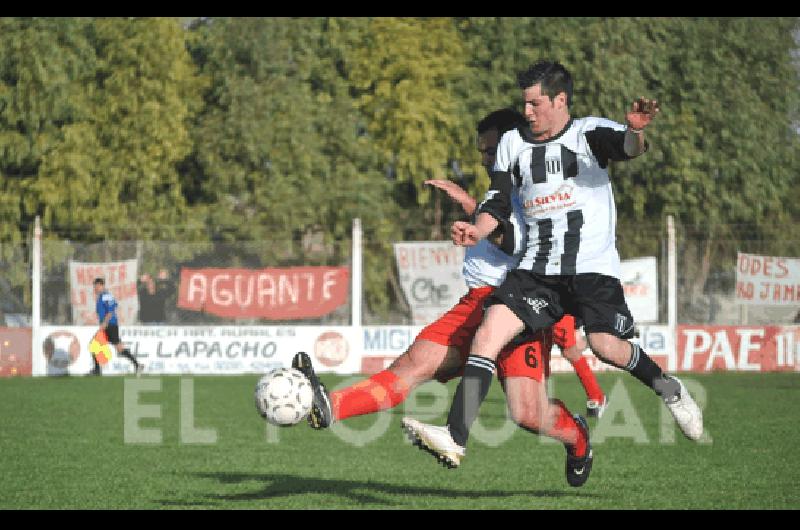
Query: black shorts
column 112, row 333
column 541, row 301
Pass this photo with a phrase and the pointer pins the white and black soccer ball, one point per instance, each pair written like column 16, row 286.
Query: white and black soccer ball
column 284, row 396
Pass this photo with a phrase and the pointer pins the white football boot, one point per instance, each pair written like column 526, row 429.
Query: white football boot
column 687, row 414
column 434, row 439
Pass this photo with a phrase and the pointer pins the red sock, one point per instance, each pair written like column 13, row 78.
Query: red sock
column 382, row 391
column 585, row 374
column 565, row 429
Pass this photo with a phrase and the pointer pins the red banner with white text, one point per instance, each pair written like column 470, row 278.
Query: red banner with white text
column 274, row 294
column 738, row 348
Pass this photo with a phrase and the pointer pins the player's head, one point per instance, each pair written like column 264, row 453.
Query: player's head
column 99, row 285
column 491, row 128
column 547, row 92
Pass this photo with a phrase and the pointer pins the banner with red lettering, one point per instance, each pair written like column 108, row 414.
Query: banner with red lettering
column 738, row 348
column 640, row 284
column 767, row 280
column 273, row 294
column 120, row 277
column 431, row 278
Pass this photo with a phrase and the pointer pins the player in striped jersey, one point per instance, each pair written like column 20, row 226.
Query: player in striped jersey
column 557, row 168
column 440, row 350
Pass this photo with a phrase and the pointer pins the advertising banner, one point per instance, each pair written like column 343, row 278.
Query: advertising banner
column 274, row 294
column 738, row 348
column 120, row 277
column 767, row 280
column 431, row 277
column 64, row 350
column 640, row 283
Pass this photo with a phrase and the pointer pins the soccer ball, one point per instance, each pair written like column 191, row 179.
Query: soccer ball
column 284, row 396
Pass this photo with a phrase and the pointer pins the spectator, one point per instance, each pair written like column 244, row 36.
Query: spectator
column 153, row 296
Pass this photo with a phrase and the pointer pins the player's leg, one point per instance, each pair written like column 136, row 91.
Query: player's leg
column 523, row 371
column 531, row 409
column 390, row 387
column 112, row 332
column 436, row 352
column 609, row 325
column 572, row 343
column 499, row 326
column 522, row 293
column 447, row 443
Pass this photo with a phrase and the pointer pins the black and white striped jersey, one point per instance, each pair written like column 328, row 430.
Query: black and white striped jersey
column 486, row 263
column 566, row 195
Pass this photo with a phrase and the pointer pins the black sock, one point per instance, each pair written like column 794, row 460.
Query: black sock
column 127, row 354
column 470, row 394
column 643, row 368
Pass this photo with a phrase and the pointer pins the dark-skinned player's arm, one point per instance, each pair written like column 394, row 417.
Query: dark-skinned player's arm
column 456, row 193
column 493, row 213
column 468, row 204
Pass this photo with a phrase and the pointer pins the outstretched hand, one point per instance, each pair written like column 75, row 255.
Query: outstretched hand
column 642, row 113
column 455, row 192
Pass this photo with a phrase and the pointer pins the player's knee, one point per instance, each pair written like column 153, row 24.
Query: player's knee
column 413, row 369
column 603, row 344
column 526, row 416
column 485, row 343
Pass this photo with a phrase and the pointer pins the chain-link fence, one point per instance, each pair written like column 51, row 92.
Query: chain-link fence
column 706, row 276
column 15, row 285
column 707, row 279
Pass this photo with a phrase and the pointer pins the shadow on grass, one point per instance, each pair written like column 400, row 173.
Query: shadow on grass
column 276, row 485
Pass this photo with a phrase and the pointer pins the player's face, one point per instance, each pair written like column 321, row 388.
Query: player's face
column 546, row 116
column 487, row 145
column 98, row 288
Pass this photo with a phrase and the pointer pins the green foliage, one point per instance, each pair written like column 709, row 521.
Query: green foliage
column 403, row 72
column 284, row 129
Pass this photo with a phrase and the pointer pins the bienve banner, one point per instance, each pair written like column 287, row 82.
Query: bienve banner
column 277, row 294
column 640, row 284
column 767, row 280
column 120, row 278
column 431, row 276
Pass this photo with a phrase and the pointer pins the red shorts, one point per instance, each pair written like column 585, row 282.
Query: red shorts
column 457, row 327
column 564, row 332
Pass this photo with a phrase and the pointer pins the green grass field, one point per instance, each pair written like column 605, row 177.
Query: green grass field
column 63, row 445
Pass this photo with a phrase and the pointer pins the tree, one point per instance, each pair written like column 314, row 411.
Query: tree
column 281, row 150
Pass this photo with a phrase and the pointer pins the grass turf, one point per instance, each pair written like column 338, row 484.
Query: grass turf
column 63, row 445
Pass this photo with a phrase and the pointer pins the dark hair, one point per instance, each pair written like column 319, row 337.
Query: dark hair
column 100, row 281
column 553, row 77
column 503, row 120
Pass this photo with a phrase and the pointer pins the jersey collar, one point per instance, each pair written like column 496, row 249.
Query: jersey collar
column 527, row 135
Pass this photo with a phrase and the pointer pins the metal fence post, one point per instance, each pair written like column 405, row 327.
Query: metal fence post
column 355, row 304
column 36, row 295
column 672, row 280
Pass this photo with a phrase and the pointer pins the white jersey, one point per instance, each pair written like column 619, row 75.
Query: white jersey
column 485, row 263
column 565, row 192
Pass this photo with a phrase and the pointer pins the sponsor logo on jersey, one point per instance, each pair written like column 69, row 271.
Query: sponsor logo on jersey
column 562, row 198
